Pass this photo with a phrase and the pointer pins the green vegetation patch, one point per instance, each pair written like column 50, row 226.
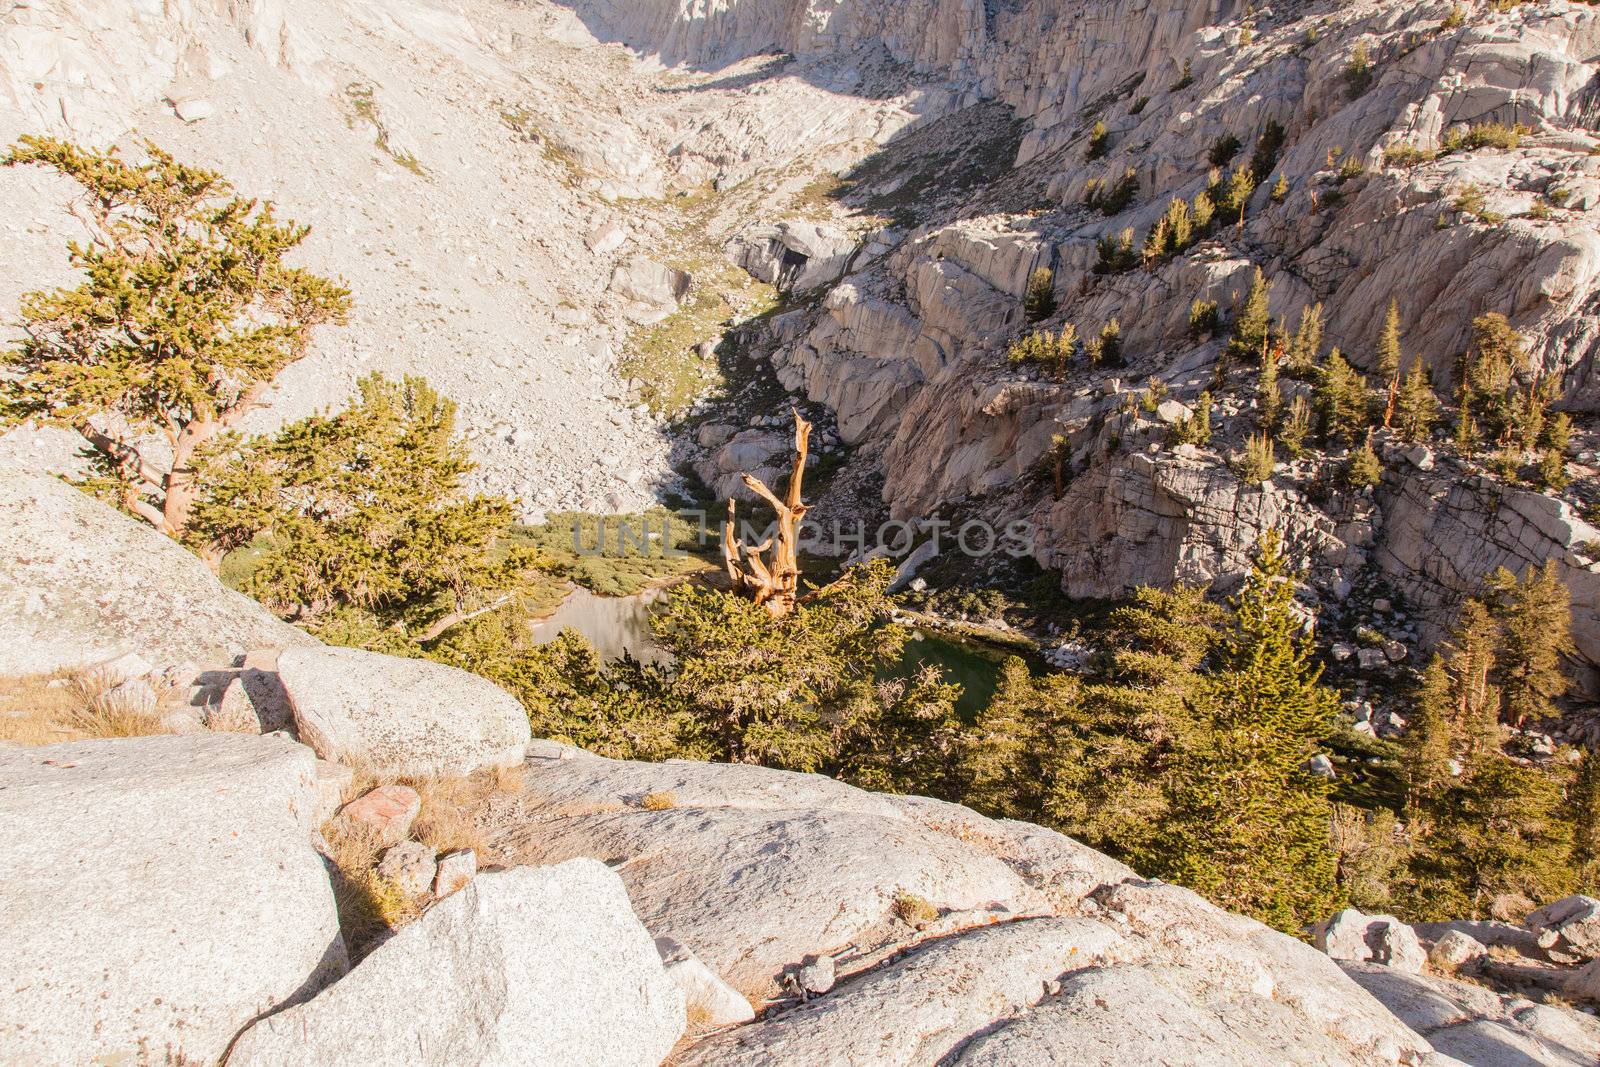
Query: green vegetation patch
column 665, row 357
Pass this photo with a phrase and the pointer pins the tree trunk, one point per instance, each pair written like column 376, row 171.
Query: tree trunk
column 180, row 487
column 775, row 584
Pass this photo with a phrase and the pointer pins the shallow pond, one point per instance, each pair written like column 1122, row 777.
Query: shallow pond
column 974, row 667
column 612, row 624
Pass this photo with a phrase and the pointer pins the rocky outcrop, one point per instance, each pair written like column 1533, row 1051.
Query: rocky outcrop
column 1444, row 532
column 1384, row 939
column 651, row 289
column 794, row 256
column 921, row 1008
column 939, row 929
column 728, row 857
column 163, row 892
column 1187, row 517
column 401, row 716
column 1476, row 1025
column 528, row 966
column 81, row 584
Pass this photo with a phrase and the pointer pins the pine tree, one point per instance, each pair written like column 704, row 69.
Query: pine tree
column 1249, row 826
column 1253, row 324
column 1194, row 429
column 186, row 314
column 1496, row 357
column 1307, row 343
column 1292, row 434
column 1156, row 242
column 784, row 692
column 1099, row 141
column 1497, row 845
column 1535, row 617
column 1001, row 757
column 1039, row 301
column 1235, row 199
column 1428, row 741
column 902, row 736
column 362, row 510
column 1342, row 400
column 1416, row 407
column 1258, row 461
column 1269, row 401
column 1553, row 464
column 1364, row 470
column 1389, row 360
column 1475, row 719
column 1585, row 801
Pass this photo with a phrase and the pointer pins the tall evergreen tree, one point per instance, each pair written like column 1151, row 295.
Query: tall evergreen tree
column 1268, row 400
column 1365, row 469
column 1342, row 400
column 1306, row 346
column 1585, row 799
column 1553, row 464
column 1389, row 360
column 1471, row 660
column 1416, row 406
column 1002, row 755
column 1496, row 357
column 1535, row 615
column 1248, row 825
column 1428, row 740
column 1497, row 845
column 1253, row 324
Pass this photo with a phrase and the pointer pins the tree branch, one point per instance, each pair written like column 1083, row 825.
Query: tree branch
column 456, row 618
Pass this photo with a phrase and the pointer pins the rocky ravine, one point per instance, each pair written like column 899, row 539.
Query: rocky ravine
column 902, row 329
column 795, row 919
column 516, row 197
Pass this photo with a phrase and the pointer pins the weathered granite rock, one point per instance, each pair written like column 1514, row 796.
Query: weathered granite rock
column 1243, row 957
column 1455, row 951
column 1115, row 1015
column 1479, row 1026
column 814, row 864
column 386, row 811
column 709, row 1000
column 655, row 287
column 401, row 716
column 81, row 583
column 924, row 1006
column 1571, row 924
column 1351, row 935
column 409, row 866
column 164, row 893
column 533, row 965
column 456, row 869
column 795, row 255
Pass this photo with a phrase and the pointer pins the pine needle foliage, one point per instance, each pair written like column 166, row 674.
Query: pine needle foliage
column 186, row 313
column 362, row 509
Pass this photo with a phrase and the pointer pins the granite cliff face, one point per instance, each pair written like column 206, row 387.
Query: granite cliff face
column 506, row 187
column 907, row 345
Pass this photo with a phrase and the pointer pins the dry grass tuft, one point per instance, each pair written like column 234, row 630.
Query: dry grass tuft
column 45, row 709
column 659, row 801
column 369, row 907
column 452, row 808
column 33, row 710
column 913, row 910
